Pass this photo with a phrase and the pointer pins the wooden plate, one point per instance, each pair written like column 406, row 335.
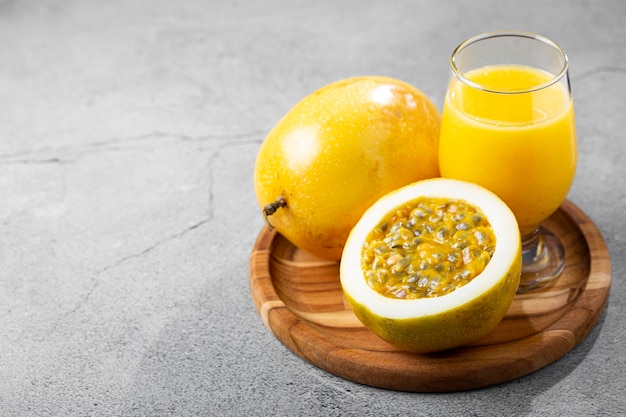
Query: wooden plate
column 299, row 298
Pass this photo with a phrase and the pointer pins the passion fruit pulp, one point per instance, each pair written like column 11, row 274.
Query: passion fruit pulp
column 454, row 318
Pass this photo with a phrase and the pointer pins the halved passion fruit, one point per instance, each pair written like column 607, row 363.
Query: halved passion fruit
column 433, row 265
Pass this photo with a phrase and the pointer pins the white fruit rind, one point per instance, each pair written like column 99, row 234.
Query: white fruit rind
column 499, row 216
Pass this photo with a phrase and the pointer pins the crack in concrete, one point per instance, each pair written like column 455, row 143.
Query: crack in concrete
column 600, row 69
column 71, row 153
column 42, row 161
column 123, row 260
column 153, row 246
column 242, row 139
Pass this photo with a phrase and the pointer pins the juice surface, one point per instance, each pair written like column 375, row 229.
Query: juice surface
column 520, row 145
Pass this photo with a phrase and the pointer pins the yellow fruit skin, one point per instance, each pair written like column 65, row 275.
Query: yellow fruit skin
column 457, row 318
column 452, row 328
column 340, row 149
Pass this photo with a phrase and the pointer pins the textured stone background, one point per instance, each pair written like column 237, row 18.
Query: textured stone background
column 128, row 132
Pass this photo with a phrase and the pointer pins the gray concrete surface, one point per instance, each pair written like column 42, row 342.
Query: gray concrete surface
column 128, row 132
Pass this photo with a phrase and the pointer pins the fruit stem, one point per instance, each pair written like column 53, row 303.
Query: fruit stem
column 271, row 208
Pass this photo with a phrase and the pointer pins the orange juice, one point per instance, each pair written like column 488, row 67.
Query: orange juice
column 512, row 137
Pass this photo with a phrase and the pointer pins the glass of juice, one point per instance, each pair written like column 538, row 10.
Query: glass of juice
column 508, row 125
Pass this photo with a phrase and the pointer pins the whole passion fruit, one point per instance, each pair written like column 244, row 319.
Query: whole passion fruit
column 337, row 151
column 433, row 265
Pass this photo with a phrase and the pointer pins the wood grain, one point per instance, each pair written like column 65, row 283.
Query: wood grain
column 299, row 298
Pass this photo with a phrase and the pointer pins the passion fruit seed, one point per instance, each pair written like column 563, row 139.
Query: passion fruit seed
column 271, row 208
column 428, row 248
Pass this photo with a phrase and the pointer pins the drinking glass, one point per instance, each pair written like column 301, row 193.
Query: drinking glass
column 508, row 125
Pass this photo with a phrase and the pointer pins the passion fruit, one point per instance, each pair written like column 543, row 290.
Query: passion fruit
column 433, row 265
column 337, row 151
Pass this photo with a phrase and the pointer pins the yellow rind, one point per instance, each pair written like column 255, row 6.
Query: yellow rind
column 449, row 329
column 451, row 320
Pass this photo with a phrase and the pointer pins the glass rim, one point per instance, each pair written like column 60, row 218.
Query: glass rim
column 511, row 34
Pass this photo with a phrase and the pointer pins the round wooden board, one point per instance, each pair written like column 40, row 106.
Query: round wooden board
column 299, row 298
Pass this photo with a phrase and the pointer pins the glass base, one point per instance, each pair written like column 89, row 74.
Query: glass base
column 543, row 260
